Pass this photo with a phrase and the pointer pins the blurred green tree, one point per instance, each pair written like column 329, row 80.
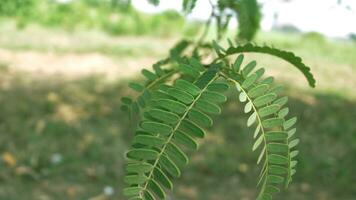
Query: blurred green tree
column 247, row 13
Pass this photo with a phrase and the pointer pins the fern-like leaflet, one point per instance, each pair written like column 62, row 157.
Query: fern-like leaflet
column 270, row 134
column 285, row 55
column 153, row 79
column 176, row 113
column 176, row 116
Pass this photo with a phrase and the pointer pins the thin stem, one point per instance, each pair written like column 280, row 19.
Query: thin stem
column 149, row 86
column 161, row 78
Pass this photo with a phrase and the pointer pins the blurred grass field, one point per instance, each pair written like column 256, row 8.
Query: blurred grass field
column 63, row 135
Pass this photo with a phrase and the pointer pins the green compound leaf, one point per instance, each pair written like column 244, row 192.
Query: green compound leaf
column 270, row 134
column 174, row 118
column 175, row 113
column 285, row 55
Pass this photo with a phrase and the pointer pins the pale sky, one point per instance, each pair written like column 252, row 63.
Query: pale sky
column 324, row 16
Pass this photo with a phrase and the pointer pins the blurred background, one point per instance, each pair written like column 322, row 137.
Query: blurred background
column 64, row 65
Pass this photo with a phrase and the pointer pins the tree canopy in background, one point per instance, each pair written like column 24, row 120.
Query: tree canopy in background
column 247, row 13
column 116, row 17
column 119, row 17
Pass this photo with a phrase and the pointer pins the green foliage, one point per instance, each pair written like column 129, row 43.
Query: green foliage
column 154, row 79
column 285, row 55
column 188, row 5
column 322, row 168
column 247, row 13
column 162, row 133
column 271, row 131
column 180, row 103
column 18, row 7
column 248, row 16
column 116, row 17
column 183, row 93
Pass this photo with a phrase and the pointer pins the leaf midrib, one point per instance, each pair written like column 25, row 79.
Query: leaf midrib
column 262, row 131
column 172, row 134
column 260, row 122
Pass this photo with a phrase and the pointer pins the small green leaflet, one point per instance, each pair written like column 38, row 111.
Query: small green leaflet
column 257, row 143
column 251, row 119
column 238, row 62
